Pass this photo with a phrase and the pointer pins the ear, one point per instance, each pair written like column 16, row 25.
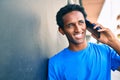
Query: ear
column 61, row 31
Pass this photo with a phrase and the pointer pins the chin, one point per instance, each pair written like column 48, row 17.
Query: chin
column 80, row 42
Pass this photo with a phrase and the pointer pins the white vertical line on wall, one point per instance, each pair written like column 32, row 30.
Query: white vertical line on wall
column 73, row 2
column 70, row 2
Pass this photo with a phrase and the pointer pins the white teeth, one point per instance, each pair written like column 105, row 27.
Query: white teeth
column 78, row 35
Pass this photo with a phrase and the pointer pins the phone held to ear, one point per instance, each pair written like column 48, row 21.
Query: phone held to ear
column 90, row 28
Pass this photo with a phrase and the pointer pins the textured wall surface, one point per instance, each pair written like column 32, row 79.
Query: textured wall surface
column 28, row 37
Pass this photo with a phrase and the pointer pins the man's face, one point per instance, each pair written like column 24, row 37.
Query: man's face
column 74, row 27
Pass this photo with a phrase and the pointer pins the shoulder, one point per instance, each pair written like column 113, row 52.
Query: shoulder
column 100, row 46
column 58, row 56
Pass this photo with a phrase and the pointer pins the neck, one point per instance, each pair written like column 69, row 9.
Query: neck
column 77, row 47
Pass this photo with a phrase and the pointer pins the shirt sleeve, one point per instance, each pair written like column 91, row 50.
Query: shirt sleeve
column 115, row 60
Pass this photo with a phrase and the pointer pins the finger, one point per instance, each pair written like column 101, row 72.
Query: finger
column 102, row 30
column 98, row 26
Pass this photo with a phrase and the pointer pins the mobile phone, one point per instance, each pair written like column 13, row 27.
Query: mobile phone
column 90, row 28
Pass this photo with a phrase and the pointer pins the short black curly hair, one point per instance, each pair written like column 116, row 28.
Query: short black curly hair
column 66, row 9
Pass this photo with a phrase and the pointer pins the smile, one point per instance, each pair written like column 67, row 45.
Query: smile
column 78, row 35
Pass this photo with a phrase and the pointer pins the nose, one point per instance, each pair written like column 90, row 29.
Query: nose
column 78, row 28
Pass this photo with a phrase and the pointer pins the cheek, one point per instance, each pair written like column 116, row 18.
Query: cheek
column 69, row 35
column 84, row 28
column 69, row 31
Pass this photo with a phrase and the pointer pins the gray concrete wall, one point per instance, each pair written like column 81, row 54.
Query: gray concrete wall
column 28, row 37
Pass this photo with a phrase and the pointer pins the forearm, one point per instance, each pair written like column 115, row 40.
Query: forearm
column 115, row 44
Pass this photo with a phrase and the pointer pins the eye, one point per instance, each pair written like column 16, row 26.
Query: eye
column 81, row 21
column 70, row 25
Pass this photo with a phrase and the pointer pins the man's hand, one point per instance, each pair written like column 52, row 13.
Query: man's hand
column 107, row 37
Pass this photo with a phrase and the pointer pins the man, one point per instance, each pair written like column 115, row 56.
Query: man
column 82, row 60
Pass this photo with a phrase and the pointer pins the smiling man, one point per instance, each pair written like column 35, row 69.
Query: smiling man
column 82, row 60
column 75, row 29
